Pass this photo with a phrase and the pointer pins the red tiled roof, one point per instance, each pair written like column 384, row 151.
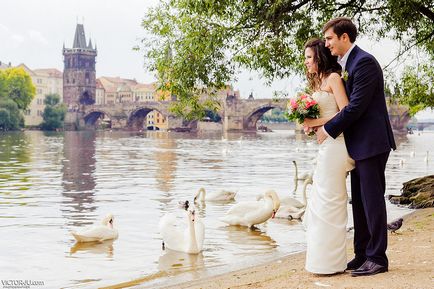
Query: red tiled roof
column 52, row 72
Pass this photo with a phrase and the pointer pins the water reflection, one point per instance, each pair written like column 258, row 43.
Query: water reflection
column 175, row 261
column 14, row 168
column 165, row 158
column 105, row 247
column 249, row 240
column 78, row 178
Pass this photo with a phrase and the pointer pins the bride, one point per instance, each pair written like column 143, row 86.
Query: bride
column 326, row 212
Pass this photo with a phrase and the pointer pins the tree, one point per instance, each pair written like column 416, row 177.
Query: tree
column 16, row 84
column 54, row 113
column 416, row 88
column 196, row 45
column 11, row 117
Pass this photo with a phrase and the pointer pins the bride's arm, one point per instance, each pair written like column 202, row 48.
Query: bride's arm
column 337, row 87
column 313, row 122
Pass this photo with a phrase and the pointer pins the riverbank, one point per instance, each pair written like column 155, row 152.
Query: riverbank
column 410, row 253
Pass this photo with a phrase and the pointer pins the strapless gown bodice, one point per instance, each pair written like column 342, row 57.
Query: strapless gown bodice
column 327, row 103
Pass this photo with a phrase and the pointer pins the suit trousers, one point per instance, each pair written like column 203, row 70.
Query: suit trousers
column 368, row 187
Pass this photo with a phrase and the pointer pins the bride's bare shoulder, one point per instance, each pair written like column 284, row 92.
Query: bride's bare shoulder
column 334, row 79
column 334, row 76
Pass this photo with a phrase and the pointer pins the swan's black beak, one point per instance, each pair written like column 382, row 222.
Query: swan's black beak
column 273, row 215
column 111, row 221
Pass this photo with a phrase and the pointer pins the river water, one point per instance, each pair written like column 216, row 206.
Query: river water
column 52, row 183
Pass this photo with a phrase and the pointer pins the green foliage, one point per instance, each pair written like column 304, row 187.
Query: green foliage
column 416, row 88
column 11, row 117
column 16, row 84
column 275, row 115
column 54, row 113
column 197, row 45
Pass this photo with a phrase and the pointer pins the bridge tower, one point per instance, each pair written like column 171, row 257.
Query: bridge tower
column 79, row 77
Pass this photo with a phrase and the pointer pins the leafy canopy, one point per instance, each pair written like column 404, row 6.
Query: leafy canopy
column 11, row 117
column 54, row 113
column 16, row 84
column 196, row 46
column 416, row 88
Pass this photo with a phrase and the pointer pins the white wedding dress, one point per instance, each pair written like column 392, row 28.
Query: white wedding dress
column 326, row 212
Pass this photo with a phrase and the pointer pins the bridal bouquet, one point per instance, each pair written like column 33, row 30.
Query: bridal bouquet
column 301, row 107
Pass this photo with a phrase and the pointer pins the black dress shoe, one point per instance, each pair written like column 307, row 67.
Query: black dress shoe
column 369, row 268
column 355, row 263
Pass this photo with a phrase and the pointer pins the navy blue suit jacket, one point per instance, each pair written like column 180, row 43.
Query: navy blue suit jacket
column 364, row 121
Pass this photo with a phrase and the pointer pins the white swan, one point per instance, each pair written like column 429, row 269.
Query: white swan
column 104, row 231
column 222, row 195
column 292, row 208
column 180, row 237
column 251, row 213
column 303, row 177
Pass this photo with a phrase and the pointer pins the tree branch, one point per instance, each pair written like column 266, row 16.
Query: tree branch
column 408, row 48
column 424, row 11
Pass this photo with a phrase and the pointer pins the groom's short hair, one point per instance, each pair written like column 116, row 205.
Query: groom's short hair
column 340, row 26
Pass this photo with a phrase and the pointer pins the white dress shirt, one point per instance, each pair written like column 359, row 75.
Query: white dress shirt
column 343, row 60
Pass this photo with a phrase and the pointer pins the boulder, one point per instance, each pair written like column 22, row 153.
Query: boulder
column 417, row 193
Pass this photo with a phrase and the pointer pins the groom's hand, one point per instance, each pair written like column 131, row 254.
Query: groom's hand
column 320, row 135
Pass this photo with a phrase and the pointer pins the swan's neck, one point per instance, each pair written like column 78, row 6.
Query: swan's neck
column 296, row 170
column 192, row 242
column 306, row 183
column 269, row 203
column 201, row 194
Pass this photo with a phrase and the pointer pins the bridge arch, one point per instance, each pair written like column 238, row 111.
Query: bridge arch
column 138, row 116
column 255, row 114
column 91, row 118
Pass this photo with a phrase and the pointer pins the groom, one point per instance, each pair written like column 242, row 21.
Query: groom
column 369, row 140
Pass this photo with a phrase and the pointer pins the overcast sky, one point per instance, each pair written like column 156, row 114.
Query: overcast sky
column 33, row 32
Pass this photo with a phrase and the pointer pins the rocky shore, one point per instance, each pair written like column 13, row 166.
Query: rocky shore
column 417, row 193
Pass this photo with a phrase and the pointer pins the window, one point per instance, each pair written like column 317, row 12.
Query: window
column 39, row 90
column 39, row 81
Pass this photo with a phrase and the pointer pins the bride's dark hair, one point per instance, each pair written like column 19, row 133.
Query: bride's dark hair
column 326, row 62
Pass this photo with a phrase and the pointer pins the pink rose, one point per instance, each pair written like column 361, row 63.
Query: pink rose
column 310, row 103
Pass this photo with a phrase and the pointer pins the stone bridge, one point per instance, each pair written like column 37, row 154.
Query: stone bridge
column 421, row 125
column 236, row 114
column 242, row 114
